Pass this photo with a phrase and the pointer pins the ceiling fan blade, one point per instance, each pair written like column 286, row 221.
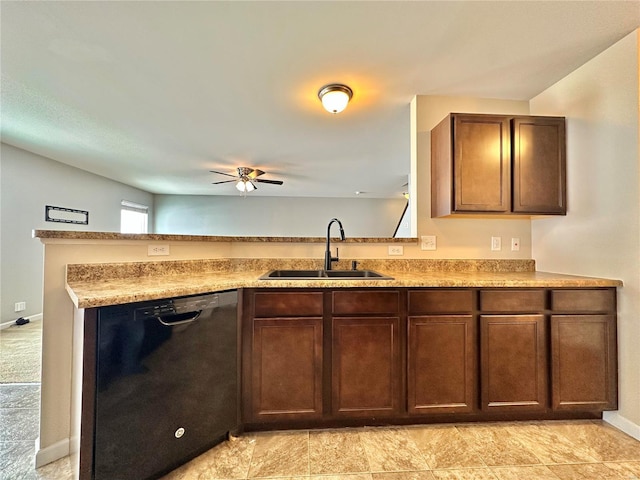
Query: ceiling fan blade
column 274, row 182
column 225, row 181
column 255, row 173
column 222, row 173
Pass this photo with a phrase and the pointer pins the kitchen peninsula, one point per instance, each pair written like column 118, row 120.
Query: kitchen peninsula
column 472, row 316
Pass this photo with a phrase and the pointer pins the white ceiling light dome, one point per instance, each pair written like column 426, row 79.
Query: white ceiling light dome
column 335, row 97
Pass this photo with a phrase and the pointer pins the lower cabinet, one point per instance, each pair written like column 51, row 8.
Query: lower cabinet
column 513, row 363
column 583, row 350
column 441, row 364
column 366, row 366
column 351, row 356
column 282, row 356
column 366, row 361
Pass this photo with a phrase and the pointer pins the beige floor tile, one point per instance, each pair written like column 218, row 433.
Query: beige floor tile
column 443, row 446
column 336, row 451
column 227, row 460
column 548, row 444
column 342, row 476
column 58, row 470
column 391, row 449
column 496, row 446
column 589, row 471
column 403, row 476
column 282, row 454
column 599, row 440
column 632, row 469
column 536, row 472
column 464, row 474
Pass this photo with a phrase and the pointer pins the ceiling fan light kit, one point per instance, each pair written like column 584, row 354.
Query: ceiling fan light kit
column 245, row 186
column 335, row 97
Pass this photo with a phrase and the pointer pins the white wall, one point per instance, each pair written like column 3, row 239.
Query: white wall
column 601, row 234
column 275, row 216
column 461, row 237
column 28, row 183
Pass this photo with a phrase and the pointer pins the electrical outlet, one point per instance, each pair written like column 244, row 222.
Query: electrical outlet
column 428, row 242
column 496, row 243
column 515, row 244
column 20, row 306
column 396, row 250
column 157, row 250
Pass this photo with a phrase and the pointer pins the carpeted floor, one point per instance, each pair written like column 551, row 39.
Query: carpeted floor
column 20, row 353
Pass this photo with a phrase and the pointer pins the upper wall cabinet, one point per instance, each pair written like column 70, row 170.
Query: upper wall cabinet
column 498, row 164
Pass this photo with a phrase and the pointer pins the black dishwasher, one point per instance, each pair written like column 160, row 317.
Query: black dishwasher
column 166, row 383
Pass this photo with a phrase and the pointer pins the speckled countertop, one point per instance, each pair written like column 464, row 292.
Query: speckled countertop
column 96, row 285
column 81, row 235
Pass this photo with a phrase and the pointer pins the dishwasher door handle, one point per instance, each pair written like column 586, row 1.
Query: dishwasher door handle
column 193, row 318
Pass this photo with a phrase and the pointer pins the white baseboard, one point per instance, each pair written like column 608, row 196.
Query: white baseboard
column 51, row 453
column 622, row 423
column 32, row 318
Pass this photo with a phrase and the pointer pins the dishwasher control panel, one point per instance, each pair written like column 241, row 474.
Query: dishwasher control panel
column 177, row 305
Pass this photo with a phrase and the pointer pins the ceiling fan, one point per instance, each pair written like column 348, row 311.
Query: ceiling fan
column 245, row 179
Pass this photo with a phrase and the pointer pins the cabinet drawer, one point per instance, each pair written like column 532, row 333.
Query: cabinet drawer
column 512, row 300
column 288, row 304
column 583, row 300
column 440, row 301
column 365, row 302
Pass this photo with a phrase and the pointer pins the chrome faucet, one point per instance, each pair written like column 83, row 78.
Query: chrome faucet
column 328, row 259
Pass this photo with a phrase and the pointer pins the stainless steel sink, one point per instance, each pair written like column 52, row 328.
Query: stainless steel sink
column 319, row 274
column 354, row 274
column 288, row 274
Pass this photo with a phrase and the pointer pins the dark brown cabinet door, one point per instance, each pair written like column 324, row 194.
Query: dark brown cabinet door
column 539, row 165
column 442, row 366
column 482, row 163
column 286, row 369
column 366, row 366
column 583, row 362
column 471, row 165
column 513, row 363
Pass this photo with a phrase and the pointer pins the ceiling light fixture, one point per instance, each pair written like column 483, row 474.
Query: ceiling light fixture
column 245, row 186
column 335, row 97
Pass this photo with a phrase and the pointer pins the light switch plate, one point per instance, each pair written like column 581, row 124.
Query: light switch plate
column 428, row 242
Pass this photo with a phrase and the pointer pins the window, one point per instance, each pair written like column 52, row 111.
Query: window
column 133, row 217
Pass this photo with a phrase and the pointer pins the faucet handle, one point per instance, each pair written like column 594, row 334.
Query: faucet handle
column 354, row 264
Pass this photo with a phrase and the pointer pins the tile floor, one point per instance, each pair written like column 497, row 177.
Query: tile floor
column 566, row 450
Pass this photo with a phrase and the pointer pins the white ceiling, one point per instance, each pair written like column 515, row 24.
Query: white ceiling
column 154, row 94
